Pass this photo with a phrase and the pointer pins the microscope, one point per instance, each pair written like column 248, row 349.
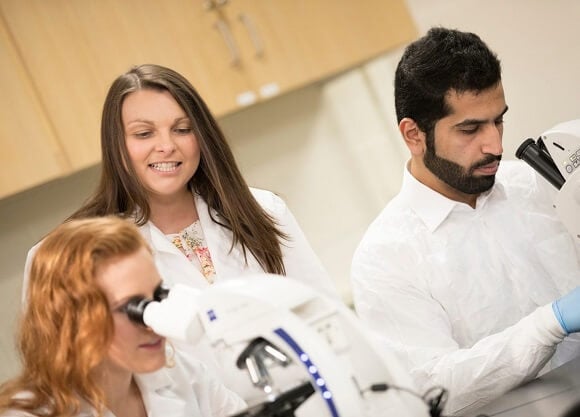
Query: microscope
column 555, row 155
column 287, row 350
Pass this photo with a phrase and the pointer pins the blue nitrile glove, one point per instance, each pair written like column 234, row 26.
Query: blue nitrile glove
column 567, row 311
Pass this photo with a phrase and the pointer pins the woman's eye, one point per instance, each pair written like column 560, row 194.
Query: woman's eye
column 183, row 130
column 142, row 135
column 121, row 309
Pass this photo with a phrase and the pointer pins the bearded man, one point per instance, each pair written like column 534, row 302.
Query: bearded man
column 462, row 272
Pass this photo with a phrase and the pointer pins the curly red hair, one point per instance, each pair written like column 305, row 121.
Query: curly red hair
column 67, row 327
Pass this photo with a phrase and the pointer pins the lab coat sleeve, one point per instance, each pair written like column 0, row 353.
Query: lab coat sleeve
column 300, row 260
column 408, row 321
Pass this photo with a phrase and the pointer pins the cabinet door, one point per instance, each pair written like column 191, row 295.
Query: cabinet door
column 30, row 152
column 288, row 43
column 75, row 48
column 232, row 53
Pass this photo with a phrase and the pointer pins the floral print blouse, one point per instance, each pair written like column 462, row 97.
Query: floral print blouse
column 192, row 243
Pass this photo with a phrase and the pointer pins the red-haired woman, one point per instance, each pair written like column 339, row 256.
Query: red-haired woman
column 81, row 354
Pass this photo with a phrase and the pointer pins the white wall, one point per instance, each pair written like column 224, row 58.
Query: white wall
column 332, row 149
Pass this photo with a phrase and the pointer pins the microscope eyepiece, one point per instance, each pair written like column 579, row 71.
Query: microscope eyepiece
column 160, row 293
column 536, row 156
column 135, row 307
column 523, row 150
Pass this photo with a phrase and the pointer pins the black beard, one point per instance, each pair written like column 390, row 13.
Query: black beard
column 455, row 175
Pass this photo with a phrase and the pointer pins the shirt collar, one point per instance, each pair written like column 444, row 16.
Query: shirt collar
column 158, row 390
column 432, row 207
column 154, row 381
column 165, row 396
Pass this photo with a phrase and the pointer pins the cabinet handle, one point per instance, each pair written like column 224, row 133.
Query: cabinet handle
column 223, row 28
column 254, row 35
column 213, row 4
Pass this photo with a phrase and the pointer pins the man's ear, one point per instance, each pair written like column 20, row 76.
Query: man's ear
column 413, row 136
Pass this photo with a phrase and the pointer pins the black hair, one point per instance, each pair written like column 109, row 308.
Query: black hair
column 443, row 60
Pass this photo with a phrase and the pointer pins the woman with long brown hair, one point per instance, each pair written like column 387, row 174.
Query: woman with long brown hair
column 81, row 354
column 167, row 165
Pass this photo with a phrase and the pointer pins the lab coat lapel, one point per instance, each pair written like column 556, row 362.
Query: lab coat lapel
column 158, row 240
column 171, row 263
column 165, row 397
column 219, row 239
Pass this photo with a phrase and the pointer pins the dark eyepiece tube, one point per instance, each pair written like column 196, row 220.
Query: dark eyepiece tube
column 540, row 160
column 135, row 309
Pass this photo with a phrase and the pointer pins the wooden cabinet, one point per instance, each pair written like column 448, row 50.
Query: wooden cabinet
column 30, row 152
column 75, row 48
column 235, row 52
column 285, row 44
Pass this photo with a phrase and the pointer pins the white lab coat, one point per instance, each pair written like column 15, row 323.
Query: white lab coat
column 299, row 259
column 463, row 295
column 185, row 390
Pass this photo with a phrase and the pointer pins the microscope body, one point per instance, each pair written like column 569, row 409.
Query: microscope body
column 556, row 156
column 274, row 335
column 563, row 144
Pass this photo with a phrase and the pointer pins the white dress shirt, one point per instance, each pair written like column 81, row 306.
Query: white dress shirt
column 463, row 295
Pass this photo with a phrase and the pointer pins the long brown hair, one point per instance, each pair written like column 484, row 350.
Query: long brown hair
column 217, row 180
column 66, row 328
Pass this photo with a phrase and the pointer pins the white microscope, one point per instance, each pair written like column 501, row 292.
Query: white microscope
column 555, row 155
column 288, row 350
